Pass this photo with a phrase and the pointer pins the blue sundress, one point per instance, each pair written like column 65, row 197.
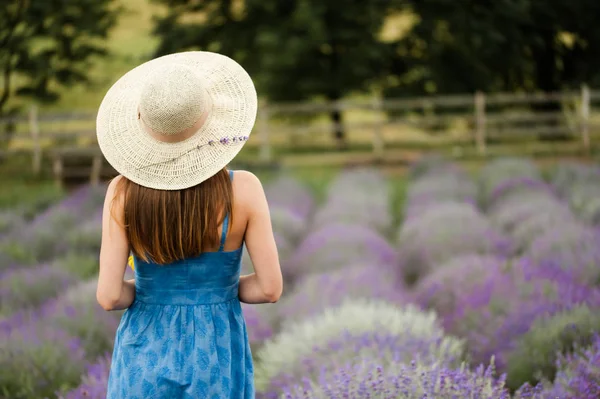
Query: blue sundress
column 184, row 336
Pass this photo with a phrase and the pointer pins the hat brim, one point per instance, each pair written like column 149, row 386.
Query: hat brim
column 174, row 166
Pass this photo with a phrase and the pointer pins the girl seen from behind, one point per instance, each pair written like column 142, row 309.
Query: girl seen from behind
column 170, row 127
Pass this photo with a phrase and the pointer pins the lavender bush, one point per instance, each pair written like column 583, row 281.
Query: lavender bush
column 499, row 170
column 442, row 289
column 86, row 238
column 568, row 174
column 288, row 224
column 516, row 190
column 38, row 361
column 335, row 245
column 584, row 200
column 259, row 323
column 430, row 190
column 43, row 241
column 443, row 232
column 495, row 313
column 354, row 330
column 528, row 230
column 572, row 247
column 508, row 215
column 357, row 196
column 78, row 313
column 579, row 374
column 29, row 287
column 316, row 292
column 288, row 193
column 370, row 379
column 355, row 209
column 94, row 382
column 83, row 266
column 534, row 354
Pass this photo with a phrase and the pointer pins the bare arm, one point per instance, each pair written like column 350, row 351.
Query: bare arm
column 265, row 285
column 113, row 293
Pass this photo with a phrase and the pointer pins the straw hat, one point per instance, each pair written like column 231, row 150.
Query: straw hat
column 175, row 121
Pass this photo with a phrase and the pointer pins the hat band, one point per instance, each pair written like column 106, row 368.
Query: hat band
column 222, row 141
column 177, row 137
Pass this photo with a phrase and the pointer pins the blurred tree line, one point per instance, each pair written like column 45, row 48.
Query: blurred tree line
column 307, row 49
column 323, row 49
column 46, row 44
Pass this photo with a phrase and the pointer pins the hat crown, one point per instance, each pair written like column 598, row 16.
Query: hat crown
column 172, row 100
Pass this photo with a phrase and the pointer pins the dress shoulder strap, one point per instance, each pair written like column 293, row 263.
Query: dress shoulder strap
column 225, row 223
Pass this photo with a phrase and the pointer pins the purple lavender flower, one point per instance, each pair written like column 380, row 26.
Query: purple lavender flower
column 334, row 246
column 314, row 293
column 442, row 233
column 38, row 361
column 554, row 332
column 516, row 189
column 357, row 196
column 343, row 335
column 508, row 215
column 76, row 312
column 290, row 194
column 431, row 190
column 579, row 374
column 29, row 287
column 572, row 247
column 259, row 324
column 530, row 229
column 94, row 382
column 369, row 378
column 86, row 237
column 494, row 314
column 288, row 224
column 442, row 289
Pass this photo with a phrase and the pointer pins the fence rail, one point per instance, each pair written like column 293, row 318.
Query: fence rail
column 483, row 117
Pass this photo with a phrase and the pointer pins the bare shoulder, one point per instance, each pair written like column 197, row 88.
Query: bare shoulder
column 248, row 187
column 112, row 186
column 246, row 179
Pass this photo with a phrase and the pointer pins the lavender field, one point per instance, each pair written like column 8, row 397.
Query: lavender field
column 488, row 287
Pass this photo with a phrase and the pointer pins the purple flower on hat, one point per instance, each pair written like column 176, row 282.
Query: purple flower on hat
column 224, row 140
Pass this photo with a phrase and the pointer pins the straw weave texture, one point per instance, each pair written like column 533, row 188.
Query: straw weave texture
column 172, row 92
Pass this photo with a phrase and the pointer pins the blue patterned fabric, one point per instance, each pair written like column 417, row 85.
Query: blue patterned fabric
column 184, row 336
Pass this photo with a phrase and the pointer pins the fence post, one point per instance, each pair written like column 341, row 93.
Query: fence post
column 34, row 130
column 480, row 122
column 585, row 117
column 265, row 145
column 378, row 129
column 96, row 170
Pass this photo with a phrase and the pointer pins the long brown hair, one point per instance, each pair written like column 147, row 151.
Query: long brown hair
column 166, row 226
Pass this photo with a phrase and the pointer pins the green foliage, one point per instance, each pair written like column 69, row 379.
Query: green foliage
column 500, row 45
column 48, row 44
column 295, row 50
column 82, row 265
column 535, row 356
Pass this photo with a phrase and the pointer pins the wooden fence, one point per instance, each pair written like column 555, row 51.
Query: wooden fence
column 484, row 118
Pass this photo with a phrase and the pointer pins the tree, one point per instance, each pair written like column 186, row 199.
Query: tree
column 464, row 46
column 295, row 49
column 47, row 44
